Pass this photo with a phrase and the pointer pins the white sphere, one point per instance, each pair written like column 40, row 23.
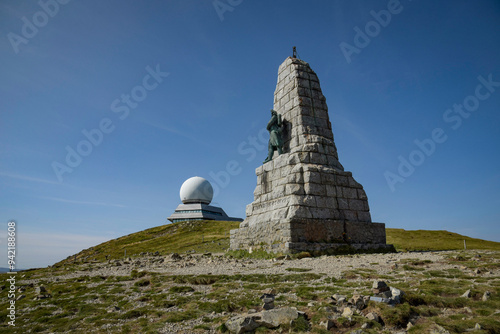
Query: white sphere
column 196, row 190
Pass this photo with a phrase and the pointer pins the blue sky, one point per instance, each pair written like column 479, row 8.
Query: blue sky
column 167, row 90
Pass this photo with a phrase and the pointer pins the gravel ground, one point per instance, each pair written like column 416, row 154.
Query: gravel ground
column 218, row 264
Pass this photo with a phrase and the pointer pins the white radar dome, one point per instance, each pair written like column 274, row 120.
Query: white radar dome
column 196, row 190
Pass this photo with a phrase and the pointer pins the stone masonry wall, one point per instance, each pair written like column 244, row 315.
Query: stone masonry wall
column 304, row 196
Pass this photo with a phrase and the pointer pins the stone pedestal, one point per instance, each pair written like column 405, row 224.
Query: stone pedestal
column 304, row 200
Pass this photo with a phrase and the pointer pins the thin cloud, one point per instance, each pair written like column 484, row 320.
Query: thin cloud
column 82, row 202
column 27, row 178
column 177, row 132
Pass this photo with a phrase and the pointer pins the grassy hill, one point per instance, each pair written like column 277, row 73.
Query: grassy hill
column 213, row 236
column 434, row 240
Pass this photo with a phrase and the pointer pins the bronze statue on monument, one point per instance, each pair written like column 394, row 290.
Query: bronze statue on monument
column 275, row 135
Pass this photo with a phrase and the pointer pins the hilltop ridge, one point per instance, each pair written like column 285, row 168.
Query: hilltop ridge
column 213, row 236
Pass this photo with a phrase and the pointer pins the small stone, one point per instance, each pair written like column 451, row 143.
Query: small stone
column 40, row 289
column 373, row 317
column 409, row 325
column 269, row 291
column 347, row 313
column 268, row 306
column 113, row 309
column 477, row 326
column 438, row 330
column 328, row 324
column 20, row 297
column 467, row 310
column 336, row 297
column 477, row 271
column 358, row 301
column 486, row 296
column 380, row 285
column 175, row 257
column 467, row 294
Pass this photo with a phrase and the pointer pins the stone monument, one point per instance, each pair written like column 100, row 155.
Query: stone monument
column 304, row 200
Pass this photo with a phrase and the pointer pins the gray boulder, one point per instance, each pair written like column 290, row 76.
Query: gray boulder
column 270, row 319
column 242, row 324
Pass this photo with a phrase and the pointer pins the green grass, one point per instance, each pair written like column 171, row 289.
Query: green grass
column 200, row 236
column 213, row 236
column 423, row 240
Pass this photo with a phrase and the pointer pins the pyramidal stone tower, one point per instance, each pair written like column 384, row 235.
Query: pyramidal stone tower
column 304, row 200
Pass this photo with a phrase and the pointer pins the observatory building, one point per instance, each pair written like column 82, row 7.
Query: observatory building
column 196, row 194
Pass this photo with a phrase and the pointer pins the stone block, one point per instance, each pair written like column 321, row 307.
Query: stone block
column 318, row 158
column 343, row 203
column 342, row 181
column 364, row 216
column 249, row 210
column 299, row 212
column 330, row 190
column 356, row 205
column 312, row 177
column 349, row 193
column 350, row 215
column 258, row 190
column 303, row 157
column 314, row 189
column 294, row 189
column 323, row 202
column 353, row 183
column 361, row 194
column 339, row 192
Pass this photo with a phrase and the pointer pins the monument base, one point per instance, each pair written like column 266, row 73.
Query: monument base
column 313, row 235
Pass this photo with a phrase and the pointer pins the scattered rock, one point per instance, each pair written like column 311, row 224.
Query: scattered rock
column 270, row 319
column 438, row 330
column 380, row 299
column 20, row 297
column 328, row 324
column 477, row 327
column 374, row 317
column 268, row 300
column 348, row 312
column 242, row 324
column 486, row 296
column 366, row 325
column 379, row 286
column 42, row 297
column 467, row 294
column 113, row 309
column 269, row 291
column 175, row 257
column 358, row 301
column 40, row 289
column 340, row 300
